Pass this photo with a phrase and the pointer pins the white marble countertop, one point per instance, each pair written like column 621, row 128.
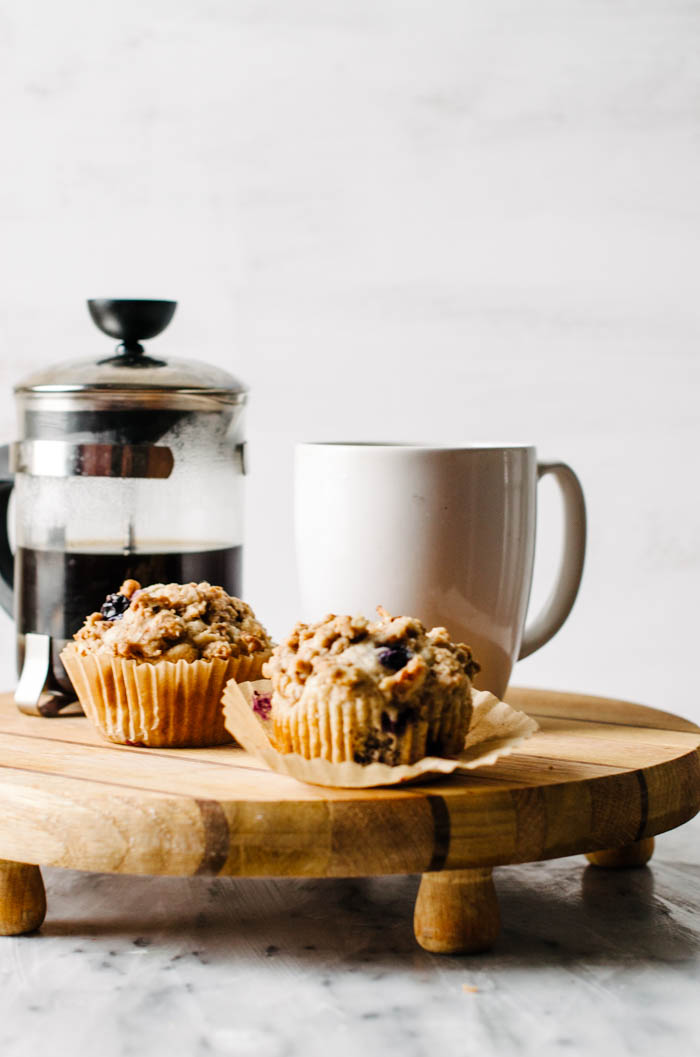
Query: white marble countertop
column 589, row 961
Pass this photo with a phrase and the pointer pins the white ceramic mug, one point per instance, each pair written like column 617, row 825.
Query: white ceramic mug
column 443, row 534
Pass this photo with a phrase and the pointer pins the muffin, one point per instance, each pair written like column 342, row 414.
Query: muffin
column 386, row 691
column 150, row 667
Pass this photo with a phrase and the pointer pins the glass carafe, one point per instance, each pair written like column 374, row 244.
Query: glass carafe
column 130, row 467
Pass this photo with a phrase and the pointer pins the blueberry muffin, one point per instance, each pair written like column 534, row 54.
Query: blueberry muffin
column 150, row 667
column 386, row 691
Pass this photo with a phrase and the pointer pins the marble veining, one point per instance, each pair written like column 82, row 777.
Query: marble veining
column 589, row 961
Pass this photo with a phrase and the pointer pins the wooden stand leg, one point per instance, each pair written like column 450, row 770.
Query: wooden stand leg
column 22, row 898
column 457, row 912
column 637, row 854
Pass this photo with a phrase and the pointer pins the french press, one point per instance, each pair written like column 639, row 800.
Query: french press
column 128, row 467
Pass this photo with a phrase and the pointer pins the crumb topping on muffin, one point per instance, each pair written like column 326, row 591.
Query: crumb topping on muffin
column 172, row 622
column 393, row 656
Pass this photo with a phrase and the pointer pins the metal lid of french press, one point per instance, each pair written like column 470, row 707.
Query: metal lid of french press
column 131, row 375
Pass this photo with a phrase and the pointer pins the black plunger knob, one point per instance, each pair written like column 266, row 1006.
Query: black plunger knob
column 132, row 321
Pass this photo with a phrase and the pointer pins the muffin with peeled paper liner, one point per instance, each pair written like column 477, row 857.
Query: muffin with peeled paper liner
column 387, row 691
column 150, row 668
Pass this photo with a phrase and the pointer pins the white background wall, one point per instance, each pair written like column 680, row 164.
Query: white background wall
column 446, row 221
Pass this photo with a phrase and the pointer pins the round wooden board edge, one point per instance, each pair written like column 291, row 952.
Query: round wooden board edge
column 418, row 831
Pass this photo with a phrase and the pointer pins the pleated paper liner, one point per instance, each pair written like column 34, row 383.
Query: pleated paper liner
column 168, row 704
column 331, row 729
column 496, row 730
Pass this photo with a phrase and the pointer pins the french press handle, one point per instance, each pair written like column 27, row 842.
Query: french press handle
column 7, row 561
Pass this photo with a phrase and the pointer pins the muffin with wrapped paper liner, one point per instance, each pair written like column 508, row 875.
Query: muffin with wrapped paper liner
column 387, row 691
column 150, row 667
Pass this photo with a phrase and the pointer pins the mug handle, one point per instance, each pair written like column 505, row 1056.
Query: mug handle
column 560, row 602
column 7, row 562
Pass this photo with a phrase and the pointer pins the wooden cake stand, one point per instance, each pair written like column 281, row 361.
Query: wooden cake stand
column 600, row 777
